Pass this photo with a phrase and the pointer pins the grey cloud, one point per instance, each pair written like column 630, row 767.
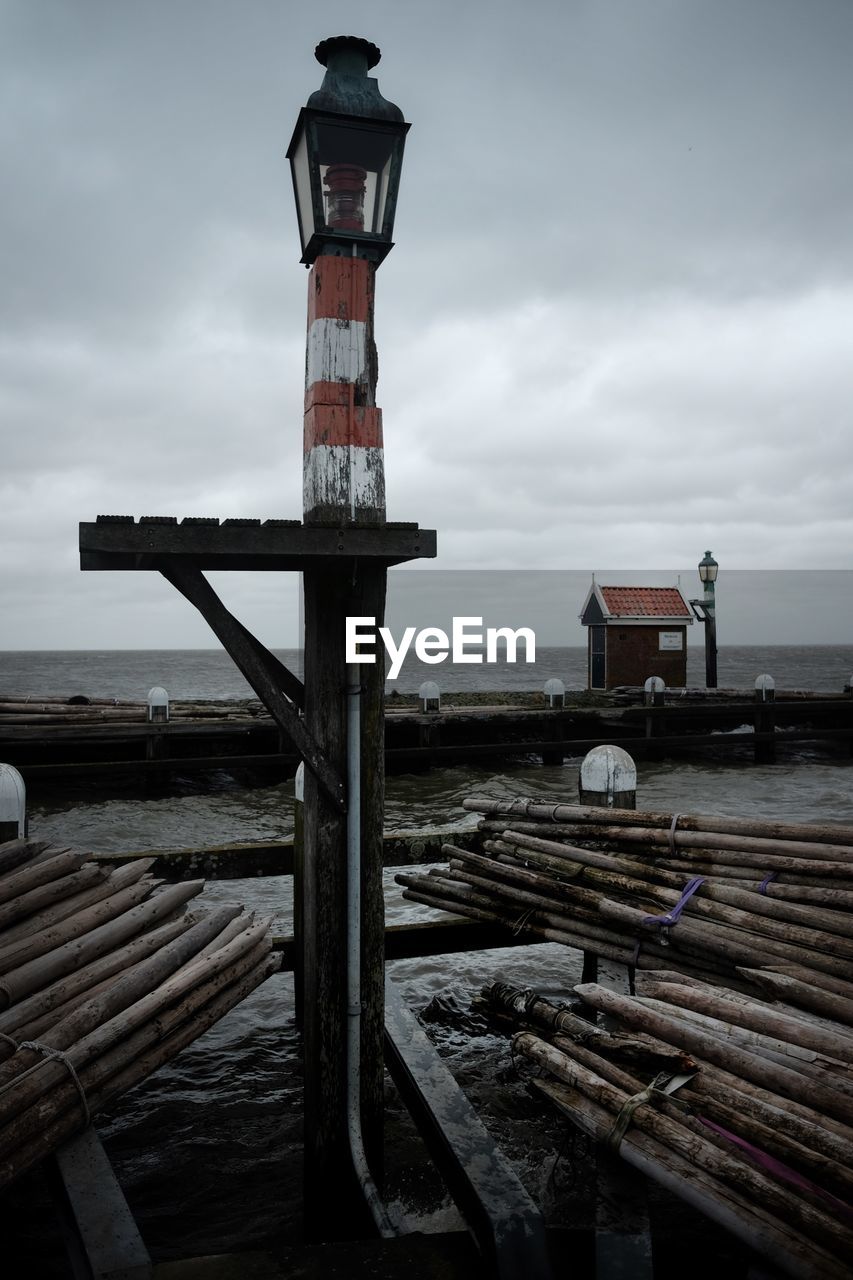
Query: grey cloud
column 614, row 325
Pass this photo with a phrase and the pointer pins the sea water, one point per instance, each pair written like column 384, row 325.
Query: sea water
column 207, row 1150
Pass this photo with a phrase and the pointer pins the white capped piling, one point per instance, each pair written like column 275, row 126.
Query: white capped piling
column 608, row 778
column 13, row 804
column 654, row 695
column 765, row 694
column 156, row 747
column 429, row 696
column 555, row 694
column 654, row 691
column 765, row 688
column 158, row 705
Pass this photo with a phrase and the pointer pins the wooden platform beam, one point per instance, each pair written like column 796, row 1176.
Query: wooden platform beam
column 120, row 542
column 507, row 1225
column 102, row 1237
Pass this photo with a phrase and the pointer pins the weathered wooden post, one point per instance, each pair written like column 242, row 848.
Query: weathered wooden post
column 13, row 804
column 298, row 883
column 765, row 696
column 654, row 695
column 554, row 692
column 608, row 778
column 429, row 732
column 157, row 715
column 345, row 155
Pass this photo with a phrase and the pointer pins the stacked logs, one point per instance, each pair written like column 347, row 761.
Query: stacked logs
column 740, row 1107
column 104, row 977
column 56, row 710
column 707, row 897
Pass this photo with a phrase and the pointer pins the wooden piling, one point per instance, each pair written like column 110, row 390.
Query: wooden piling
column 608, row 779
column 765, row 720
column 329, row 599
column 298, row 890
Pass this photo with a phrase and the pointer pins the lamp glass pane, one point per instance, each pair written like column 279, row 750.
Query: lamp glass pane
column 302, row 184
column 355, row 166
column 384, row 180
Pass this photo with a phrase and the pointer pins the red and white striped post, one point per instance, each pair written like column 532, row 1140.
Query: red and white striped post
column 344, row 467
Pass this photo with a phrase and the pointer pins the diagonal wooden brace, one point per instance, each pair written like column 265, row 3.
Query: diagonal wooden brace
column 282, row 676
column 260, row 669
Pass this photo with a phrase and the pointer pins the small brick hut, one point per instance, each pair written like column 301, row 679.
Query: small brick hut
column 634, row 633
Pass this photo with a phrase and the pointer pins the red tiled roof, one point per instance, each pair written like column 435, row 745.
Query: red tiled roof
column 645, row 602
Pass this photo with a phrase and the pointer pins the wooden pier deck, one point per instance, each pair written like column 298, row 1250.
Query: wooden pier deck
column 53, row 740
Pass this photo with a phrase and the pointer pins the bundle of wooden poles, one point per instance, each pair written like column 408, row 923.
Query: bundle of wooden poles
column 741, row 1106
column 104, row 976
column 704, row 896
column 726, row 1074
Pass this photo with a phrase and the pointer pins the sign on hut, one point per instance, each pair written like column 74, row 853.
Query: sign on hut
column 634, row 633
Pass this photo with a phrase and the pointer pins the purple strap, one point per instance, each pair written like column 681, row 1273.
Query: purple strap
column 778, row 1169
column 672, row 916
column 762, row 888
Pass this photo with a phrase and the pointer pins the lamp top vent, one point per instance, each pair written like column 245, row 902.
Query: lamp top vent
column 327, row 49
column 347, row 89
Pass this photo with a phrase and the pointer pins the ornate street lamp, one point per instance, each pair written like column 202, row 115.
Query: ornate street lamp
column 345, row 157
column 708, row 570
column 705, row 611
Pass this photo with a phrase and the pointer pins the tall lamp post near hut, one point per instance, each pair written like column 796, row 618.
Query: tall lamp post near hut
column 345, row 154
column 705, row 611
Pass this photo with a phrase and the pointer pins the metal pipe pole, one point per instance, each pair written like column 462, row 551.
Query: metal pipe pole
column 710, row 636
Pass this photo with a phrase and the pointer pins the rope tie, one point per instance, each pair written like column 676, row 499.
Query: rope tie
column 8, row 1039
column 771, row 875
column 671, row 917
column 522, row 920
column 613, row 1141
column 672, row 827
column 663, row 1083
column 49, row 1055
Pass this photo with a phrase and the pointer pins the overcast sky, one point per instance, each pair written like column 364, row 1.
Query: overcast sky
column 615, row 329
